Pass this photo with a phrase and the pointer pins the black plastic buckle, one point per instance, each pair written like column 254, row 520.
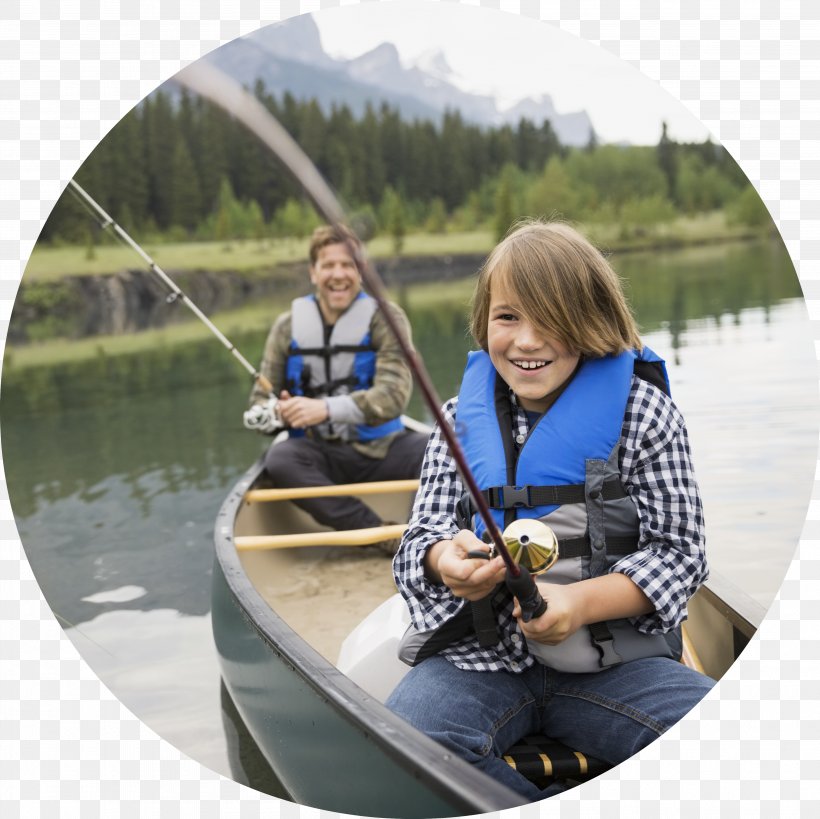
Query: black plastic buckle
column 609, row 656
column 514, row 497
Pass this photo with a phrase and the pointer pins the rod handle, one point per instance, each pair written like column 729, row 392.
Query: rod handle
column 264, row 383
column 529, row 598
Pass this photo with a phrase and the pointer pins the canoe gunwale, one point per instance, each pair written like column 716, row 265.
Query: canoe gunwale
column 468, row 789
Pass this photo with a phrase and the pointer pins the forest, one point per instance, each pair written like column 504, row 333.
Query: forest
column 177, row 168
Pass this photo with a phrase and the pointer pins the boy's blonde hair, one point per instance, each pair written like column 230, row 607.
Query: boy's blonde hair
column 565, row 288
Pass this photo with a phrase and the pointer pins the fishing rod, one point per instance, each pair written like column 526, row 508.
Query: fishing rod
column 176, row 293
column 212, row 84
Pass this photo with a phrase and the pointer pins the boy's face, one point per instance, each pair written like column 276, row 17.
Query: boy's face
column 336, row 279
column 534, row 366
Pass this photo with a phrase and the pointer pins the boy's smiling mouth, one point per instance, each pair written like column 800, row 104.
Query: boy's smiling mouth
column 528, row 364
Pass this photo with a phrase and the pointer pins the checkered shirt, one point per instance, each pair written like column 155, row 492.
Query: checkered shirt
column 656, row 471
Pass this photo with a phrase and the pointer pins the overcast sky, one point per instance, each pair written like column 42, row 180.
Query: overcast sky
column 512, row 57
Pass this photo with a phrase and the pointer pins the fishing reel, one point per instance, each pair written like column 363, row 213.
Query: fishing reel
column 533, row 547
column 531, row 544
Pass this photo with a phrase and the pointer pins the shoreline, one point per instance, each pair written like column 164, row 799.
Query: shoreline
column 216, row 294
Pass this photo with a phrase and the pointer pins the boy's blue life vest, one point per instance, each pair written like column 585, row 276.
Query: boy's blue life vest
column 345, row 362
column 566, row 474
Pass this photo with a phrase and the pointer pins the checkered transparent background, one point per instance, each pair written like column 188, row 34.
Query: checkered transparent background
column 71, row 70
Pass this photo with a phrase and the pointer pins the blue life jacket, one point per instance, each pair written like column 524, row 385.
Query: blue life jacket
column 338, row 366
column 565, row 473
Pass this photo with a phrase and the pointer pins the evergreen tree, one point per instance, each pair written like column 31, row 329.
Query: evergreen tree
column 500, row 149
column 185, row 198
column 437, row 217
column 343, row 155
column 211, row 157
column 454, row 179
column 528, row 155
column 667, row 161
column 374, row 175
column 504, row 203
column 393, row 150
column 423, row 176
column 227, row 219
column 394, row 218
column 160, row 139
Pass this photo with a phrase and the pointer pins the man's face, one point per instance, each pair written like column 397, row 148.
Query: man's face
column 336, row 279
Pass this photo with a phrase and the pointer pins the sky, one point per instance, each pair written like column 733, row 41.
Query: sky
column 511, row 57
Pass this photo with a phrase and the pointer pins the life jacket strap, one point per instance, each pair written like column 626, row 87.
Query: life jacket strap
column 515, row 497
column 331, row 349
column 484, row 622
column 582, row 546
column 330, row 387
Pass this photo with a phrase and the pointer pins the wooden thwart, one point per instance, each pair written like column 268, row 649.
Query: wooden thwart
column 332, row 490
column 349, row 537
column 690, row 656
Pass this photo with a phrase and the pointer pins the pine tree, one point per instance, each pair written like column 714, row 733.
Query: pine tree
column 185, row 196
column 160, row 138
column 504, row 207
column 667, row 161
column 394, row 218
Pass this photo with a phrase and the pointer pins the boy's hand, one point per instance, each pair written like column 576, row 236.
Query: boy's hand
column 610, row 597
column 469, row 577
column 562, row 618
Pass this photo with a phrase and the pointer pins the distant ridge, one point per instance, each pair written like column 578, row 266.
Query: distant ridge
column 289, row 57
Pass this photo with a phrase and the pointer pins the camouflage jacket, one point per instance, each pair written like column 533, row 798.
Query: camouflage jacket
column 386, row 399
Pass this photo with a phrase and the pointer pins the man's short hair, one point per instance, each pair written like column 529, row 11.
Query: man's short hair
column 325, row 235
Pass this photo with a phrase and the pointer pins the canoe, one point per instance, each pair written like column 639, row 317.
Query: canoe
column 280, row 624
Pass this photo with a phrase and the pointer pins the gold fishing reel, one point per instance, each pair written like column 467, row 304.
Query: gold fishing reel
column 532, row 544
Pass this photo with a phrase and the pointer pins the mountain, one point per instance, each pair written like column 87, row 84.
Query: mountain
column 381, row 69
column 289, row 57
column 572, row 129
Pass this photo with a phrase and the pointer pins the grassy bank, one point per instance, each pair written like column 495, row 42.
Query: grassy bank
column 45, row 263
column 50, row 264
column 53, row 263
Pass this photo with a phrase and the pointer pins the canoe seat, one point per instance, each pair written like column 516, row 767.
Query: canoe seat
column 543, row 760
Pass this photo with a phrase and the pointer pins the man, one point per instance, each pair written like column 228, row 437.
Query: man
column 342, row 385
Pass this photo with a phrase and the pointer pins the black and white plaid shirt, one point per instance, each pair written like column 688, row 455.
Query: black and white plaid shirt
column 656, row 471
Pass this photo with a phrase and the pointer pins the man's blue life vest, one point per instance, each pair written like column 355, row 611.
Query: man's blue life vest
column 338, row 366
column 566, row 474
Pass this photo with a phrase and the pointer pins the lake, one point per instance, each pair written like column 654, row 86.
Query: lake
column 116, row 467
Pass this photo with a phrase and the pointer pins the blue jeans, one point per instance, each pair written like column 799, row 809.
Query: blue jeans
column 610, row 715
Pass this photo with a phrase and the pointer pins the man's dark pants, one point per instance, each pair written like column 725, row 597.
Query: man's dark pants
column 307, row 462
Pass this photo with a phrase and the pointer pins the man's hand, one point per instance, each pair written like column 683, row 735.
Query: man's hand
column 468, row 577
column 300, row 412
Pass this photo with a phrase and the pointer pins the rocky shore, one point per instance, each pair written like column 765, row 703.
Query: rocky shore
column 131, row 300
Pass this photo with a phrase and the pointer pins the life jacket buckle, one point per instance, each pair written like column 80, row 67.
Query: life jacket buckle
column 515, row 497
column 606, row 648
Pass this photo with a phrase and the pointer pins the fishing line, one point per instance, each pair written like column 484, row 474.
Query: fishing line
column 176, row 293
column 213, row 85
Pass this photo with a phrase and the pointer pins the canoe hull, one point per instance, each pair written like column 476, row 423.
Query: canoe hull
column 333, row 746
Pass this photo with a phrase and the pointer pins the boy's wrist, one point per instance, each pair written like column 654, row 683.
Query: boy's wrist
column 431, row 559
